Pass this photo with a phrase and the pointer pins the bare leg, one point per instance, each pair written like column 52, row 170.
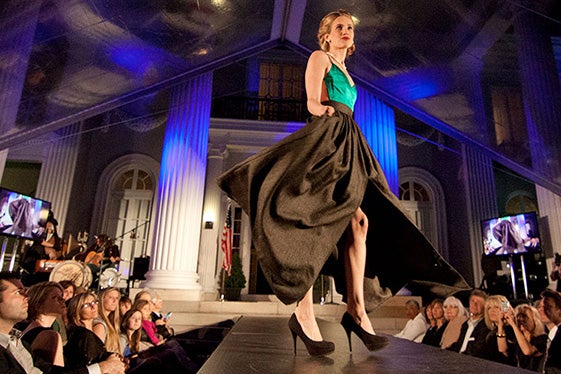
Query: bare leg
column 355, row 262
column 305, row 314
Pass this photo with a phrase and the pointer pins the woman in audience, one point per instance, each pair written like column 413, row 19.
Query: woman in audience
column 159, row 319
column 69, row 289
column 107, row 325
column 530, row 336
column 434, row 333
column 84, row 347
column 125, row 304
column 500, row 341
column 131, row 330
column 45, row 305
column 456, row 315
column 150, row 331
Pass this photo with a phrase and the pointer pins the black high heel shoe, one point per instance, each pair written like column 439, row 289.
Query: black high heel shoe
column 315, row 348
column 372, row 342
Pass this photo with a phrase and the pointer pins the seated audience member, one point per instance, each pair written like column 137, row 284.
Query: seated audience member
column 149, row 328
column 159, row 319
column 433, row 335
column 500, row 340
column 552, row 308
column 107, row 324
column 14, row 356
column 144, row 294
column 125, row 304
column 45, row 305
column 530, row 336
column 131, row 329
column 474, row 331
column 416, row 326
column 547, row 324
column 455, row 315
column 84, row 347
column 69, row 289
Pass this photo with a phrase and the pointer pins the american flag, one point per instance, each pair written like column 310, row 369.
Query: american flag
column 226, row 242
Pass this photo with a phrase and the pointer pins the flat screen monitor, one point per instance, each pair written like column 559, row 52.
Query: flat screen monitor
column 21, row 215
column 514, row 234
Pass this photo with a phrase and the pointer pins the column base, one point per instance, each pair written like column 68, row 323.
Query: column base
column 173, row 280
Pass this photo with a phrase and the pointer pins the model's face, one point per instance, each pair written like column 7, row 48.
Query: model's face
column 476, row 306
column 88, row 311
column 451, row 311
column 135, row 321
column 13, row 307
column 342, row 33
column 438, row 311
column 54, row 303
column 111, row 300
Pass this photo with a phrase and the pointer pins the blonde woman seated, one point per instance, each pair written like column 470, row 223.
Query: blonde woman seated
column 456, row 314
column 107, row 325
column 500, row 341
column 45, row 305
column 530, row 336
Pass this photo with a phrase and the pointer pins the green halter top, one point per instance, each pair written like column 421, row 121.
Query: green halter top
column 339, row 88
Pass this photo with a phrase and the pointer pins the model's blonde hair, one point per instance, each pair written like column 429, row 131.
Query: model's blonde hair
column 325, row 28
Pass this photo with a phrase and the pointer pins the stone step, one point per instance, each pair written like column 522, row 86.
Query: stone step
column 389, row 318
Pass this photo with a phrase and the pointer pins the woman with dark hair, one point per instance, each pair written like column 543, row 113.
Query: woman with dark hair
column 131, row 331
column 45, row 305
column 310, row 198
column 433, row 335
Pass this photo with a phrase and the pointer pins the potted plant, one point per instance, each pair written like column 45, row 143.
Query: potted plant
column 234, row 283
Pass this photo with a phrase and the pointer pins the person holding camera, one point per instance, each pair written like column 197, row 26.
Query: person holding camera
column 556, row 272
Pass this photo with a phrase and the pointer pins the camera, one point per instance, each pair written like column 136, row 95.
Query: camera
column 505, row 306
column 557, row 259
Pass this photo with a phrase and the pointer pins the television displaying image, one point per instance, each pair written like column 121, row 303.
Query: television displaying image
column 21, row 215
column 513, row 234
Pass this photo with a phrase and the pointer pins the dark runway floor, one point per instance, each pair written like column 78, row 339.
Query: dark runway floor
column 264, row 345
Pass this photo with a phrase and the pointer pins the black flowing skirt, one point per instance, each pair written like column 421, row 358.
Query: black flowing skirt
column 300, row 195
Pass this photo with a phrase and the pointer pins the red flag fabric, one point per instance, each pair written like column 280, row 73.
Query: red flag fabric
column 226, row 242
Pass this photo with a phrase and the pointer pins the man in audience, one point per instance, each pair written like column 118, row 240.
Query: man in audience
column 552, row 308
column 14, row 357
column 416, row 326
column 474, row 330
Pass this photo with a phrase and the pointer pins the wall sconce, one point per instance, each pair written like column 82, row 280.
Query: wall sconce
column 209, row 225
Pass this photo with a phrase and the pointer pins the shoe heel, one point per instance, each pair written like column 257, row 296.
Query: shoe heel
column 294, row 341
column 348, row 331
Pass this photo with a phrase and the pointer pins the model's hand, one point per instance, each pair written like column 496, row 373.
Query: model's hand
column 329, row 110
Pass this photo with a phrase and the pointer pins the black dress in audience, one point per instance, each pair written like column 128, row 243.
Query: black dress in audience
column 536, row 361
column 433, row 336
column 492, row 348
column 83, row 348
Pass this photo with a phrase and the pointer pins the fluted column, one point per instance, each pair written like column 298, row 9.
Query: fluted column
column 17, row 30
column 481, row 198
column 211, row 213
column 541, row 89
column 377, row 122
column 58, row 170
column 173, row 263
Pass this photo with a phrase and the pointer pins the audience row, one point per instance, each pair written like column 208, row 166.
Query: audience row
column 524, row 336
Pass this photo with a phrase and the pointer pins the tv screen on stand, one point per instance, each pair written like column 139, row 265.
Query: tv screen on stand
column 514, row 234
column 21, row 215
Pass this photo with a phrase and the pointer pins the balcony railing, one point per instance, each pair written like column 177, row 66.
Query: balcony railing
column 260, row 109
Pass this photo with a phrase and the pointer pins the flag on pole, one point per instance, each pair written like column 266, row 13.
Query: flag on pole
column 226, row 242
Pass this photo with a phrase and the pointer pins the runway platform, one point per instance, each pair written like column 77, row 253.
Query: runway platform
column 258, row 344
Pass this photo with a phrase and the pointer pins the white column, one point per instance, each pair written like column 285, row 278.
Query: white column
column 377, row 122
column 173, row 263
column 3, row 159
column 210, row 237
column 479, row 181
column 57, row 172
